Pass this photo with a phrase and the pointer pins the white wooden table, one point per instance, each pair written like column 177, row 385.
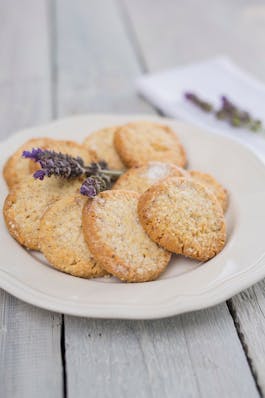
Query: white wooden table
column 60, row 57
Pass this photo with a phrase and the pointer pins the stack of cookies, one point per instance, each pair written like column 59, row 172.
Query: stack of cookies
column 156, row 208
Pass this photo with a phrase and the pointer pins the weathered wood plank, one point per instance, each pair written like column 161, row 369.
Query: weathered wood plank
column 30, row 357
column 248, row 310
column 194, row 355
column 170, row 33
column 96, row 64
column 24, row 68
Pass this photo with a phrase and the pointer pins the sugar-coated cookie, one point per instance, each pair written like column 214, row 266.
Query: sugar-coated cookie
column 140, row 142
column 16, row 167
column 27, row 202
column 210, row 182
column 117, row 240
column 184, row 217
column 101, row 142
column 62, row 241
column 139, row 179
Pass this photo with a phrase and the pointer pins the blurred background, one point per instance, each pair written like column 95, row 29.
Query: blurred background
column 61, row 57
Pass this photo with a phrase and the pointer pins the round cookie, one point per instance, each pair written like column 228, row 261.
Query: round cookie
column 139, row 179
column 184, row 217
column 140, row 142
column 62, row 241
column 16, row 167
column 26, row 203
column 101, row 142
column 117, row 240
column 67, row 147
column 210, row 182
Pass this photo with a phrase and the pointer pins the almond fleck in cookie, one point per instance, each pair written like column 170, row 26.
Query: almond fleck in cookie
column 139, row 179
column 26, row 203
column 117, row 240
column 210, row 182
column 184, row 217
column 62, row 241
column 71, row 148
column 16, row 167
column 101, row 142
column 141, row 142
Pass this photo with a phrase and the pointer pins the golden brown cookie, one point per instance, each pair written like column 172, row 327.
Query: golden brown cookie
column 67, row 147
column 141, row 142
column 16, row 167
column 26, row 203
column 184, row 217
column 62, row 241
column 117, row 240
column 101, row 142
column 139, row 179
column 210, row 182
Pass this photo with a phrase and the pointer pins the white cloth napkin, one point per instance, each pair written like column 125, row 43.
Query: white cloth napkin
column 210, row 80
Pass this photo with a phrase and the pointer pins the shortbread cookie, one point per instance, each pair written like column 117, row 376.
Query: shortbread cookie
column 101, row 142
column 71, row 148
column 210, row 182
column 139, row 179
column 184, row 217
column 26, row 203
column 117, row 240
column 62, row 241
column 16, row 167
column 141, row 142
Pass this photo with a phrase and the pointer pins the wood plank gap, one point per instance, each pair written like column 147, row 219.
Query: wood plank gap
column 64, row 372
column 241, row 337
column 51, row 10
column 128, row 27
column 53, row 38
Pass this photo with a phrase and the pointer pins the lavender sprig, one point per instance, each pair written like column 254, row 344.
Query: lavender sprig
column 237, row 117
column 98, row 176
column 205, row 106
column 228, row 111
column 55, row 163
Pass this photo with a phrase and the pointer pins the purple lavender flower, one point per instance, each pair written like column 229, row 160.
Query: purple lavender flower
column 95, row 184
column 88, row 188
column 35, row 154
column 39, row 174
column 53, row 163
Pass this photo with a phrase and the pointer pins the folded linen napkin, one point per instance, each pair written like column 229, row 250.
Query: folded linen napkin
column 210, row 80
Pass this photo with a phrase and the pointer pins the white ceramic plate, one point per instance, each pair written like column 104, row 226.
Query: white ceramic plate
column 186, row 285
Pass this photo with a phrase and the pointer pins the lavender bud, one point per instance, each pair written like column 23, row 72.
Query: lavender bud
column 103, row 164
column 35, row 154
column 39, row 174
column 88, row 188
column 88, row 191
column 190, row 96
column 194, row 99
